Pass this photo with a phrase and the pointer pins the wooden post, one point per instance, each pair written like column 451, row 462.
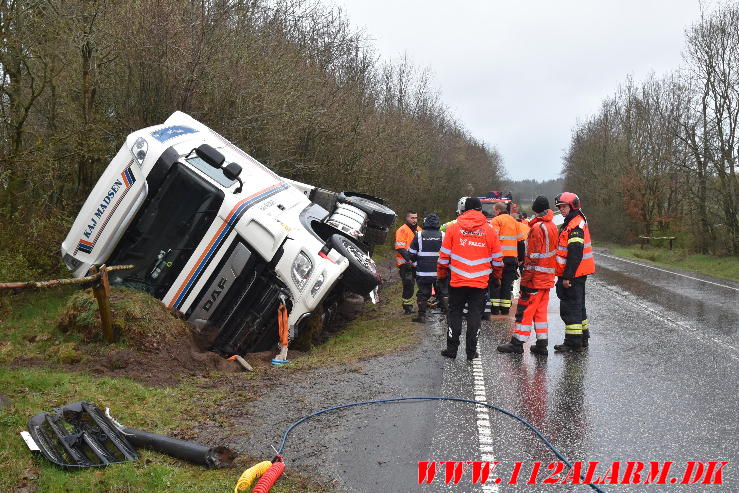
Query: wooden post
column 101, row 289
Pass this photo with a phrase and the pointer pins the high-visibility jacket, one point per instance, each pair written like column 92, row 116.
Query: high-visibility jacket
column 471, row 251
column 540, row 264
column 424, row 252
column 510, row 233
column 403, row 238
column 524, row 228
column 574, row 250
column 446, row 225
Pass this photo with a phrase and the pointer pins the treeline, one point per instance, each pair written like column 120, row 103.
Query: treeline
column 525, row 191
column 660, row 157
column 286, row 80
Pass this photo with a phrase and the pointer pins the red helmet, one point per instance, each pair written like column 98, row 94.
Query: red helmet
column 568, row 198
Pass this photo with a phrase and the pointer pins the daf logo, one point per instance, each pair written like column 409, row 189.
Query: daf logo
column 215, row 294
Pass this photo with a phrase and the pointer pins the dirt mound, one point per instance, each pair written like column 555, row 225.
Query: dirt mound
column 156, row 346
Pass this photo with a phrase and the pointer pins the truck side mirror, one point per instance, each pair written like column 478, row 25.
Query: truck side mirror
column 232, row 172
column 210, row 155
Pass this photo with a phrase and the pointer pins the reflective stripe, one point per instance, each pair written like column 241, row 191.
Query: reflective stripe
column 547, row 270
column 575, row 240
column 471, row 262
column 495, row 302
column 562, row 248
column 428, row 254
column 445, row 250
column 510, row 238
column 420, row 241
column 505, row 303
column 588, row 245
column 462, row 273
column 543, row 255
column 426, row 274
column 415, row 264
column 444, row 261
column 412, row 251
column 497, row 264
column 541, row 325
column 399, row 243
column 587, row 255
column 561, row 260
column 573, row 329
column 514, row 248
column 520, row 236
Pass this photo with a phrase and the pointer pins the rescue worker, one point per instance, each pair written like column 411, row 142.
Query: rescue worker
column 460, row 210
column 511, row 238
column 470, row 252
column 403, row 238
column 424, row 253
column 537, row 279
column 574, row 264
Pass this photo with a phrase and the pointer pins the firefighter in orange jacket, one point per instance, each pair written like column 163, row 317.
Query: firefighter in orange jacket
column 537, row 279
column 574, row 263
column 510, row 233
column 470, row 252
column 403, row 238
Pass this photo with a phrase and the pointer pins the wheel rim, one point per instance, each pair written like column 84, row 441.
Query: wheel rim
column 358, row 254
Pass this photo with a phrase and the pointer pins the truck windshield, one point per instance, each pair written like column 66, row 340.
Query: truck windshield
column 214, row 173
column 166, row 230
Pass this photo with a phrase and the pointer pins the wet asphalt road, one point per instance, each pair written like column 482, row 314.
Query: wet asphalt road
column 659, row 383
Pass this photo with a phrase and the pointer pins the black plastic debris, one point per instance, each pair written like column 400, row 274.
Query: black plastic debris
column 80, row 435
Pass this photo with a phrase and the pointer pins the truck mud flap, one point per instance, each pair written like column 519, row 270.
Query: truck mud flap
column 80, row 435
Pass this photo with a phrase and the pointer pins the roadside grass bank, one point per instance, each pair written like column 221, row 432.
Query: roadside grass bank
column 28, row 329
column 720, row 267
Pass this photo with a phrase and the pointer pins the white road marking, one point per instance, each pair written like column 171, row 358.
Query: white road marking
column 662, row 316
column 667, row 271
column 484, row 434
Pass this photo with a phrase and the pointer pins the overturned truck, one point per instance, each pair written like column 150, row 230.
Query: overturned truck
column 221, row 238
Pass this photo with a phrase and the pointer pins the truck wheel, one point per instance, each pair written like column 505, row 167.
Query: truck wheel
column 361, row 276
column 378, row 215
column 375, row 236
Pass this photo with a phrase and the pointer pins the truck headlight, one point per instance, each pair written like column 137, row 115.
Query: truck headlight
column 301, row 270
column 71, row 262
column 139, row 150
column 317, row 285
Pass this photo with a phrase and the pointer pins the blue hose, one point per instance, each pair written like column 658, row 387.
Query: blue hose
column 456, row 399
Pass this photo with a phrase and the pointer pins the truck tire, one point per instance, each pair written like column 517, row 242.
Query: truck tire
column 375, row 236
column 378, row 215
column 361, row 276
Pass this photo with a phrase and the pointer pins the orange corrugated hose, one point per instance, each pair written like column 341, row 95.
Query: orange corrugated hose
column 282, row 325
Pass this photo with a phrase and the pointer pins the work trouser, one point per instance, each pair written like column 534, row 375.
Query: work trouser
column 474, row 298
column 572, row 308
column 500, row 292
column 408, row 278
column 532, row 313
column 426, row 285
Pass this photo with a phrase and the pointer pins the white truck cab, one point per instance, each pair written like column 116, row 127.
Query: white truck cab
column 221, row 238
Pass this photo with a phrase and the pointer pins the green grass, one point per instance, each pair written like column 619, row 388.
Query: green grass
column 380, row 329
column 29, row 330
column 721, row 267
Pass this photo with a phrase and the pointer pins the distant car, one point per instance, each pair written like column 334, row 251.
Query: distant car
column 496, row 196
column 221, row 238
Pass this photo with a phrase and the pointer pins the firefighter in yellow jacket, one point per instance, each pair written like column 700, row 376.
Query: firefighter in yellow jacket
column 403, row 238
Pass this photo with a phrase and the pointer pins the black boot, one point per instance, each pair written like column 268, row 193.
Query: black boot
column 444, row 304
column 585, row 337
column 572, row 344
column 421, row 317
column 470, row 357
column 408, row 309
column 541, row 347
column 504, row 311
column 449, row 353
column 515, row 346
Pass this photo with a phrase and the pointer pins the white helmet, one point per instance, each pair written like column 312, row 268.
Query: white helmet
column 460, row 205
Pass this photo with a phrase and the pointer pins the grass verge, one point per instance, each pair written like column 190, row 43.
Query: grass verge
column 29, row 330
column 720, row 267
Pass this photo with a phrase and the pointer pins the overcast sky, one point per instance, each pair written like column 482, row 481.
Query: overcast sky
column 520, row 74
